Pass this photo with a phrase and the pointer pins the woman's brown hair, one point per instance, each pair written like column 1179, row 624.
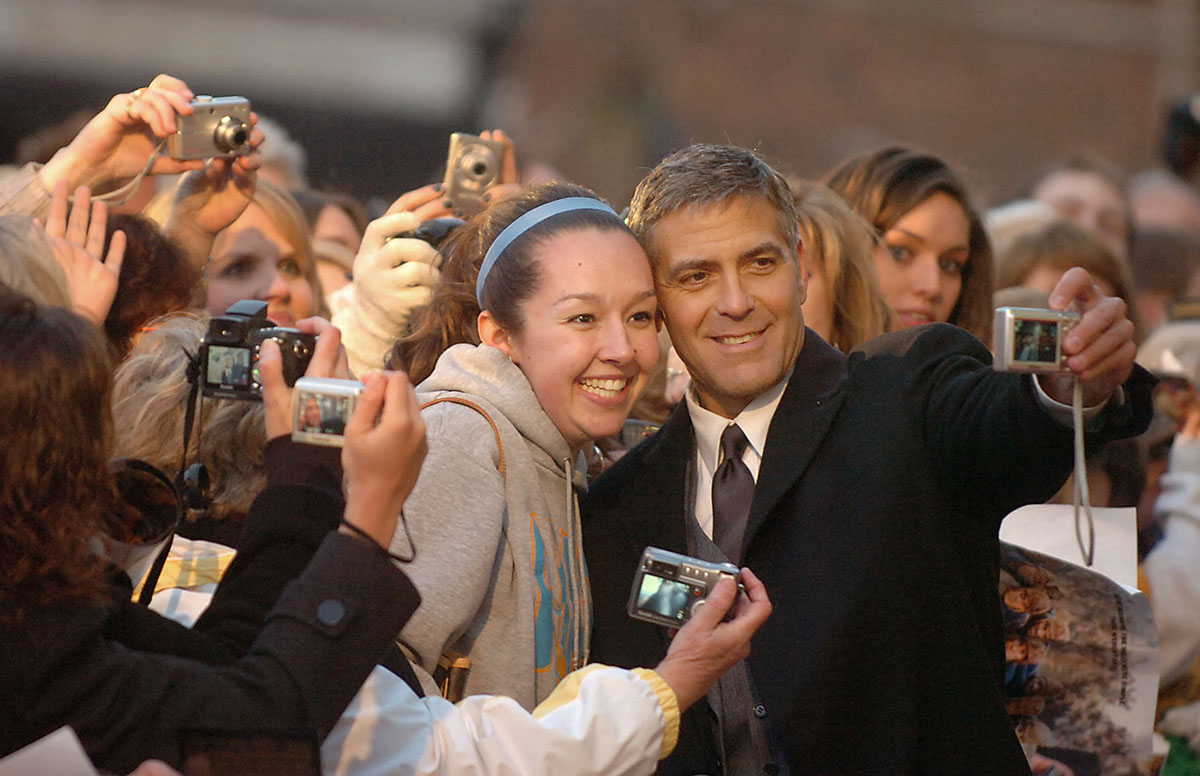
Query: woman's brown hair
column 56, row 494
column 451, row 315
column 883, row 185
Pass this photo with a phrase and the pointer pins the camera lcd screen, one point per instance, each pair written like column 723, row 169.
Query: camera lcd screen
column 228, row 366
column 1035, row 342
column 667, row 597
column 318, row 413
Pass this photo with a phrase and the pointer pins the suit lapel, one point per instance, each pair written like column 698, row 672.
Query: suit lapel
column 660, row 492
column 805, row 413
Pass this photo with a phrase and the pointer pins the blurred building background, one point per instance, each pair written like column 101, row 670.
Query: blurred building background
column 599, row 91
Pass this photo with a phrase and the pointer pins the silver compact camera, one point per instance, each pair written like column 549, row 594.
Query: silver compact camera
column 220, row 127
column 321, row 407
column 1029, row 339
column 472, row 167
column 669, row 588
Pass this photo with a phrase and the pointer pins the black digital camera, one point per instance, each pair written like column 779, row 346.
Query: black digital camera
column 229, row 351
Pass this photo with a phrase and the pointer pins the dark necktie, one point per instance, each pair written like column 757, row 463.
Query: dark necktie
column 732, row 492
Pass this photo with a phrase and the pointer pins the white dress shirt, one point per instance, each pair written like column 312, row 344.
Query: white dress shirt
column 754, row 421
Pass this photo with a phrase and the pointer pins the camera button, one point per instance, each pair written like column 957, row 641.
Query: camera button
column 330, row 612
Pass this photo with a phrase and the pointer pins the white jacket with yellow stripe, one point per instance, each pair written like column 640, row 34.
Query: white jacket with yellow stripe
column 600, row 720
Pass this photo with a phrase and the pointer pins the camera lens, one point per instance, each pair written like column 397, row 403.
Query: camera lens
column 478, row 165
column 230, row 134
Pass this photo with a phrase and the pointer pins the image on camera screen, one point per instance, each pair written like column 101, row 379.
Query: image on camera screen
column 228, row 366
column 1035, row 342
column 318, row 413
column 667, row 597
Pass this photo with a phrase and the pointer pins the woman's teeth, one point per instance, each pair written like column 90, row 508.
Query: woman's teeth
column 607, row 388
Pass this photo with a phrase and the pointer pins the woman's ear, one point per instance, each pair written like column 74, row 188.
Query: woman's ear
column 493, row 334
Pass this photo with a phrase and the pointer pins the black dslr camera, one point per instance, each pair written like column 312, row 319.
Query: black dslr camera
column 229, row 351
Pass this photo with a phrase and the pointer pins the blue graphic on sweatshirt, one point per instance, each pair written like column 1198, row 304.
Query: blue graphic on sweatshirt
column 554, row 621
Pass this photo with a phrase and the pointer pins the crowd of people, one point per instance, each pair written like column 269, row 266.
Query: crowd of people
column 790, row 374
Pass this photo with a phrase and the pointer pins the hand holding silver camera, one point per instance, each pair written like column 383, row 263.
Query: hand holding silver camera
column 473, row 165
column 669, row 588
column 219, row 127
column 321, row 407
column 1028, row 339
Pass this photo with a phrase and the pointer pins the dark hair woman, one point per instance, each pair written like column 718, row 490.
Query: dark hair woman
column 562, row 300
column 935, row 262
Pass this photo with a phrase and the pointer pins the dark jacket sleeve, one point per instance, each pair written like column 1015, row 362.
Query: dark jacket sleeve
column 275, row 546
column 318, row 644
column 979, row 425
column 310, row 643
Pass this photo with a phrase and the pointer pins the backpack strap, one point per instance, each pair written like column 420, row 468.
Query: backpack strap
column 481, row 411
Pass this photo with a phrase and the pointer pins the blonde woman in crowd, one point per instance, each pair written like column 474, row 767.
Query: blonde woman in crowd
column 844, row 304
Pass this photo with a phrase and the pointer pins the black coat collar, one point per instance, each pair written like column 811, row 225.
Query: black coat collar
column 805, row 412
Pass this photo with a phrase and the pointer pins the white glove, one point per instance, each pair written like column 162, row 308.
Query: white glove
column 392, row 277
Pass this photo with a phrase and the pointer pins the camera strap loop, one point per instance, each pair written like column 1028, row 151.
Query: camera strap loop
column 122, row 194
column 1080, row 494
column 193, row 378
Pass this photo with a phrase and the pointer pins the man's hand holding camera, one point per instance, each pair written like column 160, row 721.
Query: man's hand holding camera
column 1100, row 347
column 116, row 144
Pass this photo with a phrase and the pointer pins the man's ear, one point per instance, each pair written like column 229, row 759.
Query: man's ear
column 660, row 318
column 493, row 334
column 803, row 264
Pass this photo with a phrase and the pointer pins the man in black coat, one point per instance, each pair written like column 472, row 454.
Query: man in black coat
column 880, row 481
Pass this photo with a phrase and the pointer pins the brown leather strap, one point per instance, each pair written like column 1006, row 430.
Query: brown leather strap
column 453, row 667
column 481, row 411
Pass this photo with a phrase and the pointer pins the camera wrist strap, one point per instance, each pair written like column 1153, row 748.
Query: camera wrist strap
column 124, row 191
column 189, row 413
column 1080, row 494
column 150, row 583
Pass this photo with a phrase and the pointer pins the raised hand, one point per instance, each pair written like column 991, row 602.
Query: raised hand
column 385, row 446
column 1100, row 347
column 328, row 360
column 116, row 144
column 78, row 242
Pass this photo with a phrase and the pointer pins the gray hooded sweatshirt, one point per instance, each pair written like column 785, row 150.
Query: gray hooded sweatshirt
column 499, row 560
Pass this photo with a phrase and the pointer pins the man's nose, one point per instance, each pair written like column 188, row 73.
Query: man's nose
column 734, row 300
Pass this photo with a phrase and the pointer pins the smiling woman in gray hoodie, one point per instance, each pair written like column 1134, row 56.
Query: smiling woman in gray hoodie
column 569, row 339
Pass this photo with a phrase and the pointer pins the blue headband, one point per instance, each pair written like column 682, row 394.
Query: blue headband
column 527, row 222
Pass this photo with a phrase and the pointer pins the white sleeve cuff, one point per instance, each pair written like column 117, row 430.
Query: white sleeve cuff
column 1063, row 413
